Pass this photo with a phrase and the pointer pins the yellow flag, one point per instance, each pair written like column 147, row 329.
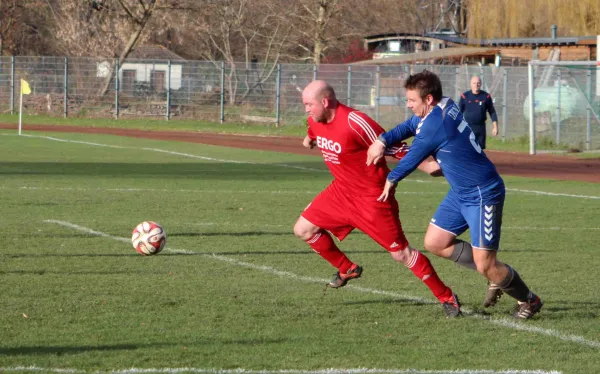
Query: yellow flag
column 25, row 89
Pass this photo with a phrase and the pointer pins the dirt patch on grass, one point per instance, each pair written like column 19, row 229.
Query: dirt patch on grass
column 508, row 163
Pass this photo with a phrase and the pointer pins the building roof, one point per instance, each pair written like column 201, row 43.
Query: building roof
column 500, row 42
column 510, row 42
column 391, row 35
column 440, row 53
column 400, row 35
column 154, row 52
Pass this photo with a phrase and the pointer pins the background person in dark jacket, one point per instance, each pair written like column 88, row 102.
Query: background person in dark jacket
column 474, row 104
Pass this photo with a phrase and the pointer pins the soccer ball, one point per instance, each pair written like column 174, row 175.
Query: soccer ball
column 148, row 238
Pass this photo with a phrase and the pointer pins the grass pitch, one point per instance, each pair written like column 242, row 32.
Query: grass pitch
column 234, row 289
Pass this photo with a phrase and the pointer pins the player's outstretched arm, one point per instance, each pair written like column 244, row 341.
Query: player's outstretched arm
column 401, row 132
column 308, row 142
column 391, row 142
column 421, row 148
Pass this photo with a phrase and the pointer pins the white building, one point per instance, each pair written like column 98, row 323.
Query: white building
column 148, row 65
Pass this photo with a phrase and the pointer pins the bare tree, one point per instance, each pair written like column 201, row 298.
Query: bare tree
column 454, row 12
column 84, row 28
column 106, row 28
column 8, row 9
column 15, row 22
column 24, row 26
column 316, row 20
column 138, row 14
column 495, row 19
column 330, row 26
column 245, row 31
column 436, row 15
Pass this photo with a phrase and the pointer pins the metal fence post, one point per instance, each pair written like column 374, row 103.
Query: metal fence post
column 66, row 98
column 169, row 90
column 315, row 72
column 407, row 71
column 12, row 85
column 349, row 98
column 222, row 92
column 117, row 88
column 504, row 104
column 531, row 88
column 559, row 77
column 588, row 142
column 278, row 97
column 377, row 88
column 457, row 82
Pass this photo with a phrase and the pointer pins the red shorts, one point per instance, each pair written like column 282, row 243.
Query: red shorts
column 340, row 213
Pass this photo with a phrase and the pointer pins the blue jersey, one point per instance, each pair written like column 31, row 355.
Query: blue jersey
column 444, row 135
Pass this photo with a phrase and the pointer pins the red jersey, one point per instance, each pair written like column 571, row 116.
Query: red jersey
column 344, row 143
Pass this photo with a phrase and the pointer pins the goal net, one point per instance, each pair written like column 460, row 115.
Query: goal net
column 563, row 105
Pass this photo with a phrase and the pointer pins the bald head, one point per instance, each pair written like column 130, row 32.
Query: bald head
column 319, row 101
column 319, row 90
column 475, row 84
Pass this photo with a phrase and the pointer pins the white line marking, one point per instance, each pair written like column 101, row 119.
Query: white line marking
column 552, row 193
column 284, row 371
column 180, row 154
column 36, row 368
column 295, row 192
column 423, row 228
column 198, row 157
column 86, row 230
column 548, row 228
column 497, row 321
column 405, row 227
column 73, row 141
column 290, row 166
column 35, row 188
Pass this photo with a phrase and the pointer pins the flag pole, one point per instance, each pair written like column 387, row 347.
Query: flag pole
column 20, row 110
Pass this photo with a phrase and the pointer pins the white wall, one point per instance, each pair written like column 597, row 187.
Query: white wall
column 143, row 72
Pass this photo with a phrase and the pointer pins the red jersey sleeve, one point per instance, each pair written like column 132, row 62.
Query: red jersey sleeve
column 367, row 129
column 397, row 150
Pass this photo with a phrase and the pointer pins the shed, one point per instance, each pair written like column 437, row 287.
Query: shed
column 451, row 54
column 148, row 66
column 518, row 51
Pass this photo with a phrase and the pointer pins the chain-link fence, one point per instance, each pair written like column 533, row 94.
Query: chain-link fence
column 256, row 92
column 565, row 106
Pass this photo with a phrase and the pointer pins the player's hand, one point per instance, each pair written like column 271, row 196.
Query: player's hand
column 308, row 142
column 375, row 152
column 386, row 191
column 495, row 129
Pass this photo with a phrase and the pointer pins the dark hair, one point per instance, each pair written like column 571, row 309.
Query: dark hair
column 427, row 83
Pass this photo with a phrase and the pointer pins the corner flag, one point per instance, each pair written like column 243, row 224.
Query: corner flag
column 25, row 89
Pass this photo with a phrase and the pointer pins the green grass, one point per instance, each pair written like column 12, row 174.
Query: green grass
column 160, row 124
column 251, row 295
column 517, row 144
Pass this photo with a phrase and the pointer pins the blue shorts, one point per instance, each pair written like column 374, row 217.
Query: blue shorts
column 482, row 215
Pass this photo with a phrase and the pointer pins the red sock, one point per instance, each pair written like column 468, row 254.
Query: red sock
column 323, row 244
column 420, row 265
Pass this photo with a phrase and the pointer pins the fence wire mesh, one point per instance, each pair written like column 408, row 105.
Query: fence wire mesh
column 566, row 106
column 566, row 97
